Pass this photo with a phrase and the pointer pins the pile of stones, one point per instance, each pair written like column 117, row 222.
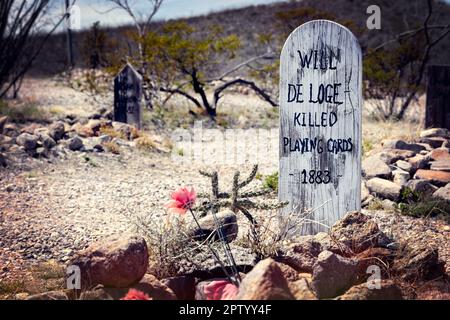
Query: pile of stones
column 422, row 167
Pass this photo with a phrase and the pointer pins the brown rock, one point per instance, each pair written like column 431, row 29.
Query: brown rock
column 419, row 162
column 182, row 286
column 227, row 219
column 374, row 256
column 82, row 131
column 418, row 263
column 52, row 295
column 116, row 263
column 440, row 154
column 439, row 178
column 155, row 288
column 333, row 274
column 388, row 291
column 301, row 254
column 440, row 165
column 28, row 141
column 289, row 273
column 356, row 231
column 265, row 282
column 301, row 290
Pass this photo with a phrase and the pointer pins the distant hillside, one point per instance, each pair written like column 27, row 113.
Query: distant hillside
column 397, row 16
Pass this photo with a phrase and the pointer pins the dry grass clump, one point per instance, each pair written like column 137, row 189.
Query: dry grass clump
column 112, row 147
column 109, row 131
column 146, row 143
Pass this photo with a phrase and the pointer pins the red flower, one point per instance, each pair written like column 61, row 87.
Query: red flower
column 221, row 290
column 182, row 200
column 134, row 294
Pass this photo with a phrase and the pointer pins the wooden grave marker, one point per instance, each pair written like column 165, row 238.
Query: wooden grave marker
column 127, row 96
column 437, row 114
column 320, row 125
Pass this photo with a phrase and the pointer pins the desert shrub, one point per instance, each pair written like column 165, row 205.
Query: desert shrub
column 112, row 147
column 109, row 131
column 26, row 111
column 146, row 143
column 271, row 182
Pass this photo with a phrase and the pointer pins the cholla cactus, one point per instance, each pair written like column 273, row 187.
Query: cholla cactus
column 237, row 200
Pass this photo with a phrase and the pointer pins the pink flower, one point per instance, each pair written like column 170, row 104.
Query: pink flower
column 182, row 200
column 134, row 294
column 221, row 290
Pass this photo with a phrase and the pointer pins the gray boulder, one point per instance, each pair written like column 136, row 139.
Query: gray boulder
column 57, row 130
column 384, row 188
column 27, row 141
column 226, row 219
column 374, row 166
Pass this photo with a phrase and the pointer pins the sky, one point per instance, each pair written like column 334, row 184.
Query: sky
column 99, row 10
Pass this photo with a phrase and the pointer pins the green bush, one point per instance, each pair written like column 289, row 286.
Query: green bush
column 271, row 182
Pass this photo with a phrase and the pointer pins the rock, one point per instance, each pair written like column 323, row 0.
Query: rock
column 74, row 143
column 440, row 154
column 434, row 142
column 202, row 265
column 155, row 288
column 384, row 188
column 98, row 293
column 52, row 295
column 418, row 263
column 333, row 275
column 11, row 130
column 440, row 165
column 388, row 291
column 390, row 156
column 404, row 165
column 28, row 141
column 374, row 166
column 401, row 177
column 265, row 282
column 227, row 219
column 3, row 162
column 374, row 256
column 47, row 141
column 420, row 186
column 388, row 205
column 126, row 130
column 182, row 286
column 301, row 254
column 443, row 193
column 57, row 130
column 301, row 290
column 356, row 231
column 115, row 263
column 82, row 131
column 419, row 162
column 402, row 145
column 3, row 121
column 31, row 128
column 365, row 193
column 289, row 273
column 435, row 132
column 439, row 178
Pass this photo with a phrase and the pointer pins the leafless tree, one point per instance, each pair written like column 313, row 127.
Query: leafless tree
column 433, row 34
column 142, row 24
column 19, row 25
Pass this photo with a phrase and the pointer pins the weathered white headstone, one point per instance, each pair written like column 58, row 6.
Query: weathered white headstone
column 127, row 96
column 320, row 125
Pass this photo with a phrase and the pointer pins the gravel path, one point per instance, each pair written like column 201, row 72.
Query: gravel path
column 59, row 208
